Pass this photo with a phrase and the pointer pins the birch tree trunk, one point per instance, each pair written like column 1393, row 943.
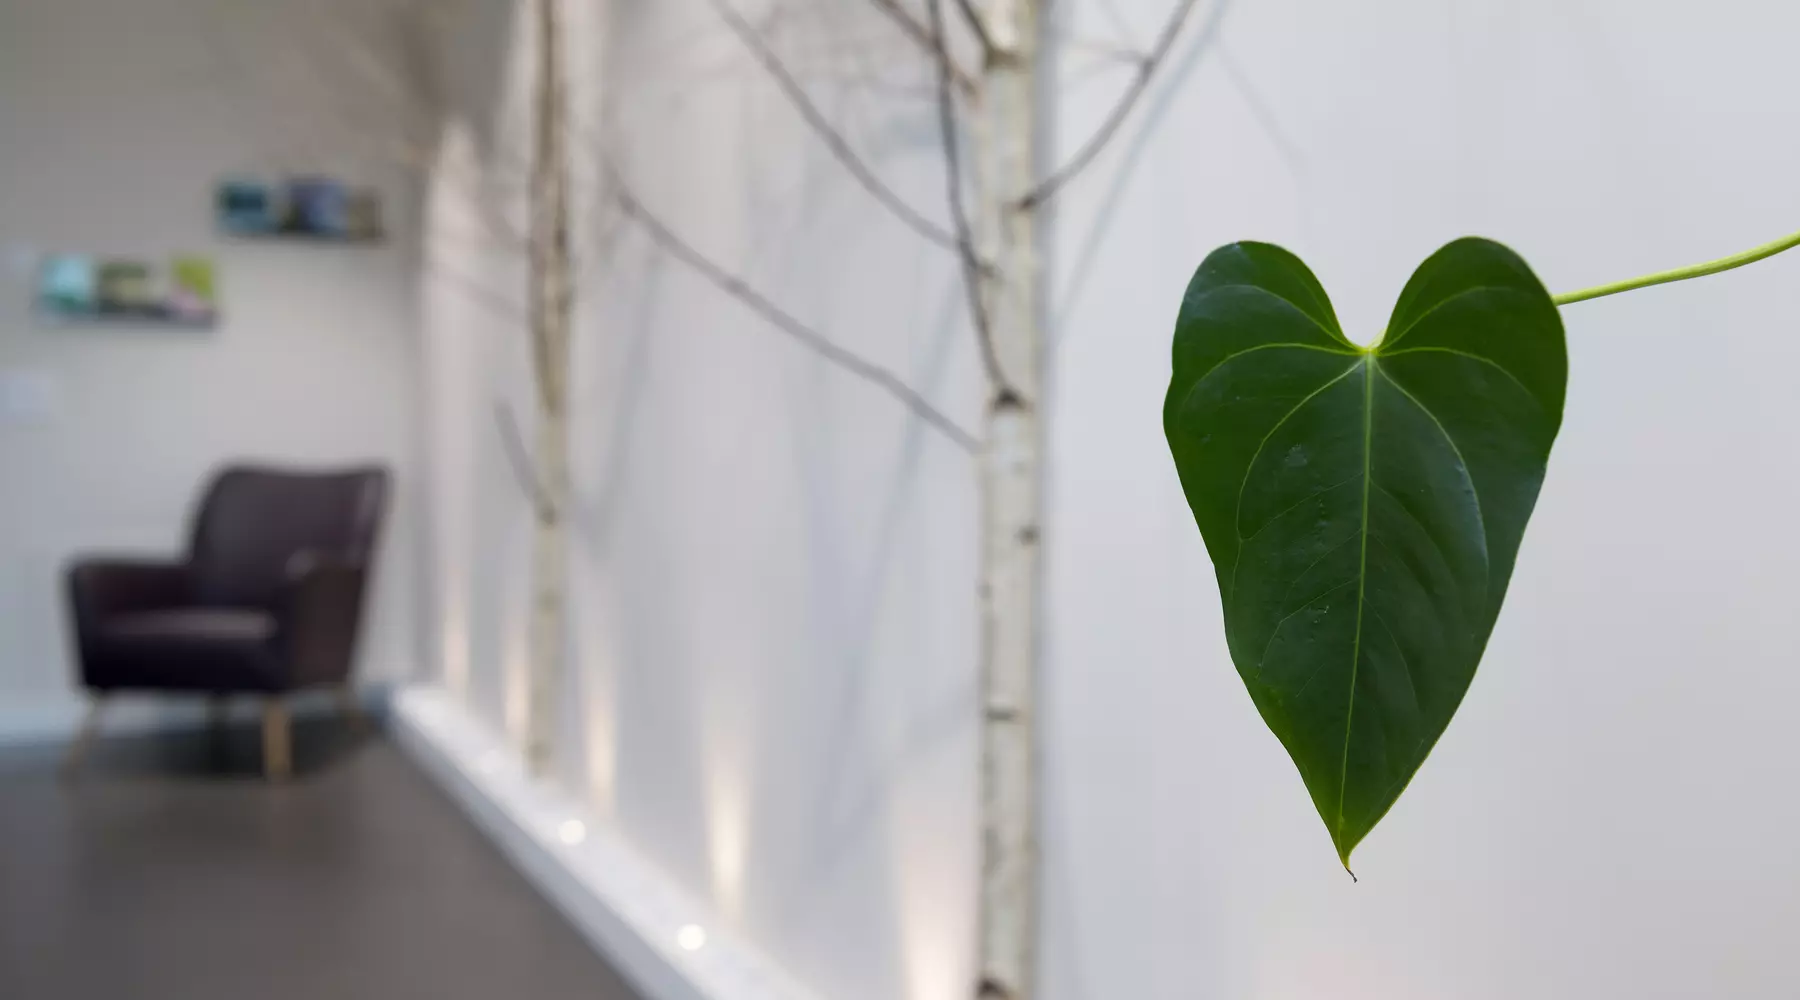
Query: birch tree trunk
column 551, row 299
column 1011, row 478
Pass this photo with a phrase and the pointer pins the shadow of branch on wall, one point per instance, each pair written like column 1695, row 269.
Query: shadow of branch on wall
column 845, row 803
column 1168, row 87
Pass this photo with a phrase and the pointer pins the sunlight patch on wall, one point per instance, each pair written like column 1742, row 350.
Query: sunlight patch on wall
column 936, row 903
column 728, row 828
column 516, row 682
column 729, row 762
column 456, row 650
column 450, row 214
column 1331, row 967
column 598, row 663
column 600, row 734
column 933, row 963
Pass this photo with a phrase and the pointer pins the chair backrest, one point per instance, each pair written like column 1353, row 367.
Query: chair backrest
column 253, row 520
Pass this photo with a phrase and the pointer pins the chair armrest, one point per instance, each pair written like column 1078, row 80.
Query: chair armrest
column 317, row 614
column 101, row 588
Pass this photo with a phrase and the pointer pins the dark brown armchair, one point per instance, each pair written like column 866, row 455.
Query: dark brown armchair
column 268, row 600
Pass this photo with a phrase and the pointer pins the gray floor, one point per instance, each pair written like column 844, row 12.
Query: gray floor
column 169, row 870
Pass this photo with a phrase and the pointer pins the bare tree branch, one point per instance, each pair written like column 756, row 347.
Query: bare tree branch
column 811, row 339
column 834, row 139
column 976, row 24
column 519, row 458
column 1146, row 70
column 494, row 301
column 1112, row 52
column 875, row 83
column 959, row 216
column 484, row 190
column 922, row 37
column 908, row 23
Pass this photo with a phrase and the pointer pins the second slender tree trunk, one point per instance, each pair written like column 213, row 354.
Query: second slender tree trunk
column 1011, row 483
column 551, row 298
column 549, row 603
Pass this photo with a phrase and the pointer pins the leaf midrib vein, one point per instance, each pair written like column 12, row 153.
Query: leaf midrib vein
column 1362, row 586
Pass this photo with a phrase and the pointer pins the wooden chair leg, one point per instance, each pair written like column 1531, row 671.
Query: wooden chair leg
column 84, row 737
column 278, row 741
column 354, row 716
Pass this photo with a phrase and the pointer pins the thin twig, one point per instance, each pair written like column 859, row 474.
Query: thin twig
column 875, row 83
column 492, row 300
column 1146, row 70
column 959, row 217
column 811, row 339
column 524, row 471
column 976, row 24
column 922, row 37
column 834, row 139
column 1109, row 51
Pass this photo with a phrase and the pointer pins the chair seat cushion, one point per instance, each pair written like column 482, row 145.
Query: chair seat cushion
column 187, row 649
column 194, row 625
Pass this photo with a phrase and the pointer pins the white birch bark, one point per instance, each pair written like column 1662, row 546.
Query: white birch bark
column 1011, row 484
column 551, row 298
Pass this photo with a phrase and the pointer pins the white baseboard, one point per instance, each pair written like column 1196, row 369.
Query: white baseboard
column 55, row 720
column 49, row 721
column 631, row 912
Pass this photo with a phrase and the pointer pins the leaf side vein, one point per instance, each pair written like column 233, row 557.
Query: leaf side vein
column 1502, row 369
column 1238, row 509
column 1480, row 518
column 1336, row 335
column 1446, row 300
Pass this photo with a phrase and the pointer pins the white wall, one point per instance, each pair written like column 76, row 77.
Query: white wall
column 775, row 628
column 1605, row 816
column 116, row 120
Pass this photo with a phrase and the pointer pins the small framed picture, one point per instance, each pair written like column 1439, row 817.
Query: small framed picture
column 68, row 286
column 128, row 290
column 311, row 207
column 193, row 294
column 78, row 288
column 247, row 207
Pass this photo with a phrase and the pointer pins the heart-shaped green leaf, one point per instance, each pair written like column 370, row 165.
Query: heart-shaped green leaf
column 1362, row 507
